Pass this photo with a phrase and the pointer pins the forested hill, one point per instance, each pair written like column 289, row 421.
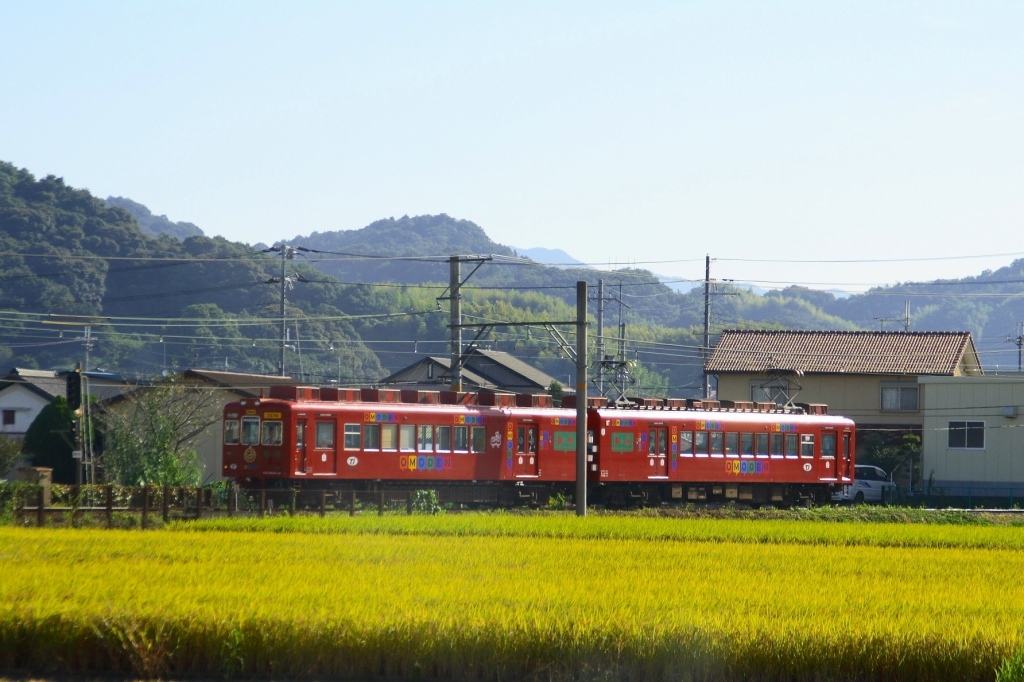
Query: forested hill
column 65, row 252
column 155, row 225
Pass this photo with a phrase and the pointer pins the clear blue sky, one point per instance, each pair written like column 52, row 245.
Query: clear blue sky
column 616, row 131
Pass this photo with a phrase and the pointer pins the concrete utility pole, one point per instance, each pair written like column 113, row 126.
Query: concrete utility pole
column 581, row 398
column 455, row 321
column 1019, row 341
column 600, row 334
column 707, row 326
column 287, row 253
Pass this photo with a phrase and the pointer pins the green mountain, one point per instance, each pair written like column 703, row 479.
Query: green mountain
column 154, row 225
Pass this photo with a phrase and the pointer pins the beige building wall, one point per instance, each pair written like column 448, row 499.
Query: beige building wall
column 1000, row 464
column 858, row 397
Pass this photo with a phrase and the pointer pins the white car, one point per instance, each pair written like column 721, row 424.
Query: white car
column 870, row 484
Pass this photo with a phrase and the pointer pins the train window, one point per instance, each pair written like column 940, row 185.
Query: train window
column 250, row 430
column 272, row 433
column 389, row 437
column 444, row 439
column 792, row 441
column 747, row 444
column 425, row 438
column 657, row 441
column 300, row 435
column 701, row 443
column 408, row 438
column 461, row 439
column 231, row 432
column 732, row 446
column 761, row 445
column 371, row 437
column 807, row 445
column 479, row 434
column 686, row 443
column 352, row 436
column 828, row 445
column 324, row 435
column 846, row 446
column 717, row 443
column 777, row 447
column 531, row 439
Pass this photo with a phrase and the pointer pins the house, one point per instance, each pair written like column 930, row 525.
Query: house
column 23, row 395
column 870, row 377
column 972, row 444
column 483, row 370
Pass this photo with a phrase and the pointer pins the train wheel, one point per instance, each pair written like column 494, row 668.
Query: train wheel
column 859, row 498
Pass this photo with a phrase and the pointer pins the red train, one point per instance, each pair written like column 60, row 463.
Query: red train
column 506, row 449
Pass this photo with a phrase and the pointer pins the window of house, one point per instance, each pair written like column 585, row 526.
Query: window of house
column 9, row 418
column 324, row 435
column 352, row 436
column 967, row 435
column 899, row 398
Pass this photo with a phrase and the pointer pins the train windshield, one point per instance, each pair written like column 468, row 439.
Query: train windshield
column 250, row 430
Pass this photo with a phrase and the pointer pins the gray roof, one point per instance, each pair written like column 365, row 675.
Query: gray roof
column 47, row 383
column 512, row 364
column 250, row 385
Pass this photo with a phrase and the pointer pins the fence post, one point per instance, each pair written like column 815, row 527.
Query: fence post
column 323, row 503
column 145, row 505
column 231, row 499
column 39, row 507
column 352, row 504
column 199, row 503
column 76, row 491
column 380, row 504
column 167, row 504
column 263, row 502
column 408, row 503
column 110, row 506
column 295, row 500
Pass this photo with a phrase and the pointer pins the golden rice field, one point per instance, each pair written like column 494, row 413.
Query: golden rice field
column 503, row 597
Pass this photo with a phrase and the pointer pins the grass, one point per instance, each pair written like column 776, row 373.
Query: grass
column 503, row 596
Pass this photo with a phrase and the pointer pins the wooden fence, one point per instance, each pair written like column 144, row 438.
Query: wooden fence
column 182, row 503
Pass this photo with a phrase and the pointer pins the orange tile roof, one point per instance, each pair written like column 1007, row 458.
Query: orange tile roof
column 832, row 352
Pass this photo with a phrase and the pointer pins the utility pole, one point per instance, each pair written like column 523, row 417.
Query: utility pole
column 1019, row 341
column 905, row 320
column 455, row 321
column 287, row 253
column 600, row 334
column 581, row 398
column 707, row 326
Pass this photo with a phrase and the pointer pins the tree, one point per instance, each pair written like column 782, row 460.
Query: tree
column 49, row 440
column 150, row 436
column 10, row 453
column 556, row 392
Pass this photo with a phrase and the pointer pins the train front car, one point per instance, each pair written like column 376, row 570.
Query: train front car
column 752, row 456
column 471, row 449
column 257, row 453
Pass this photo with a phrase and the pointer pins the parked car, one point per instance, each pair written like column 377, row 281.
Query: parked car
column 870, row 484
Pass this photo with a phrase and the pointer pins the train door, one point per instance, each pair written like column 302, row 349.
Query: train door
column 657, row 452
column 324, row 458
column 845, row 455
column 301, row 463
column 526, row 458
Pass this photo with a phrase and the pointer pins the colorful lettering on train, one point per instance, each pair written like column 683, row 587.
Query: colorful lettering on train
column 746, row 468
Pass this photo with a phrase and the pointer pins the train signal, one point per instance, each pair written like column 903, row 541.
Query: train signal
column 74, row 389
